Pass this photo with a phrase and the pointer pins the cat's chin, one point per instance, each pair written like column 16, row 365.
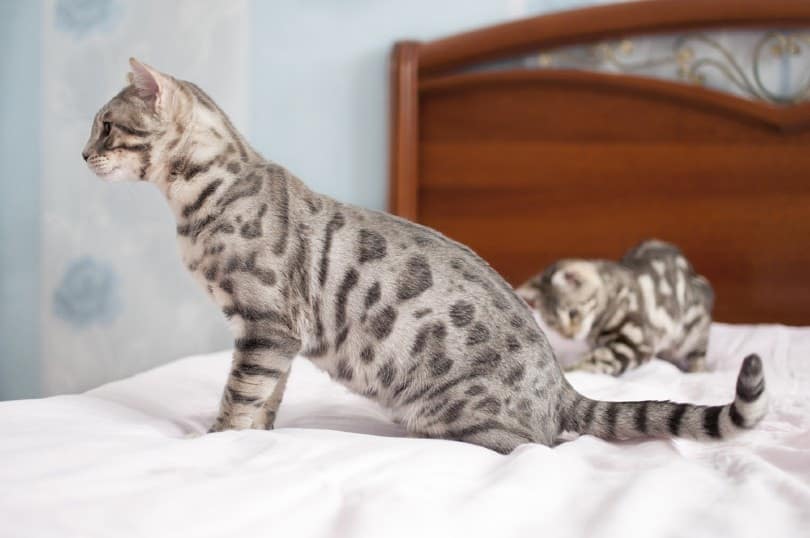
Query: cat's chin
column 116, row 175
column 583, row 330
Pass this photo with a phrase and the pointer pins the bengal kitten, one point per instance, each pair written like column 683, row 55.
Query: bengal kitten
column 651, row 303
column 391, row 309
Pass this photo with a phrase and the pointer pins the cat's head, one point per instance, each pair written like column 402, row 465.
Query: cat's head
column 569, row 295
column 140, row 131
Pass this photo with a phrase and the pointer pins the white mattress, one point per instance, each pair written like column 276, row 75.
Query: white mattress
column 117, row 461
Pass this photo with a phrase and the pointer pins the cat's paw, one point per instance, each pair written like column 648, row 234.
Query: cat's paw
column 192, row 435
column 694, row 365
column 216, row 428
column 262, row 425
column 593, row 366
column 264, row 421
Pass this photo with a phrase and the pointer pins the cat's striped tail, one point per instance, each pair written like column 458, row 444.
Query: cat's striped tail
column 632, row 420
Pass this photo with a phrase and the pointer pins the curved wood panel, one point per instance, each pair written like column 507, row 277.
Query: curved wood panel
column 593, row 24
column 793, row 118
column 530, row 166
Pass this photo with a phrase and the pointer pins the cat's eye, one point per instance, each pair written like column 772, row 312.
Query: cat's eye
column 105, row 128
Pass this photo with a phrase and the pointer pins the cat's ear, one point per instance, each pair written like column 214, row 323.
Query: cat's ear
column 572, row 278
column 567, row 279
column 152, row 85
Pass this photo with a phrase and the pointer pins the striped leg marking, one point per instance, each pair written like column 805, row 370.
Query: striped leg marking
column 256, row 382
column 266, row 418
column 614, row 357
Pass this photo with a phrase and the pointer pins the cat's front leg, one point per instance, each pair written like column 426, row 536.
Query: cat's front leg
column 616, row 353
column 258, row 374
column 265, row 419
column 695, row 354
column 598, row 361
column 696, row 361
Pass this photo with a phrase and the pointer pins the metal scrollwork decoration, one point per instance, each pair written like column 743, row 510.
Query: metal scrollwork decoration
column 777, row 69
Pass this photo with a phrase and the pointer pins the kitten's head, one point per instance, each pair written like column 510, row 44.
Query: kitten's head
column 135, row 135
column 568, row 295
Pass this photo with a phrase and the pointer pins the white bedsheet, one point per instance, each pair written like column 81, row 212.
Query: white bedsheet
column 116, row 461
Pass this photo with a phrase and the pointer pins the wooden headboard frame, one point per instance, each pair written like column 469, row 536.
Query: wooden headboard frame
column 530, row 165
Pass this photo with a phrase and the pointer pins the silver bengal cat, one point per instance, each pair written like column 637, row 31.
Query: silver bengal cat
column 650, row 303
column 393, row 310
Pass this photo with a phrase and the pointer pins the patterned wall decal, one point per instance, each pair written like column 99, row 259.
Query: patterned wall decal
column 82, row 17
column 87, row 293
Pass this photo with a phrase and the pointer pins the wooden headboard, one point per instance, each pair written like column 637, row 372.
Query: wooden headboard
column 527, row 166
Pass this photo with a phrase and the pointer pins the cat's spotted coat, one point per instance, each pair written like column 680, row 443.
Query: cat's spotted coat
column 391, row 309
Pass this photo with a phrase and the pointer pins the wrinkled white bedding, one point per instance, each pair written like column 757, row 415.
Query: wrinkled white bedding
column 117, row 461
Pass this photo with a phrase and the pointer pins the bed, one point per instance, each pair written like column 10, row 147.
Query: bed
column 123, row 460
column 496, row 145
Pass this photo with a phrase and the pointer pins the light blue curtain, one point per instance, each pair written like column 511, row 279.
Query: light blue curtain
column 20, row 116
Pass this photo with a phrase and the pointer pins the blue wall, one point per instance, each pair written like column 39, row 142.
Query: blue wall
column 320, row 83
column 19, row 198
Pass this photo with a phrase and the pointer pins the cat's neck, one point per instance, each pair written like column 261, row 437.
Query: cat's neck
column 199, row 162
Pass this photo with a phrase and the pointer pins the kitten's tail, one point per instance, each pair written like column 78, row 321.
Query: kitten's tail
column 632, row 420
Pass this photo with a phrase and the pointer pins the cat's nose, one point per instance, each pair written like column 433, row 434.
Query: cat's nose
column 85, row 156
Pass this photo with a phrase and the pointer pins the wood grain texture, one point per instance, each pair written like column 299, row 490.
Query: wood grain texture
column 527, row 167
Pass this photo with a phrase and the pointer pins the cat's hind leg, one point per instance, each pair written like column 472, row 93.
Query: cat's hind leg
column 499, row 440
column 487, row 432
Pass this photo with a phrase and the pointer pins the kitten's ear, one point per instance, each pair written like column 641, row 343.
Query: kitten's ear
column 569, row 279
column 150, row 83
column 572, row 279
